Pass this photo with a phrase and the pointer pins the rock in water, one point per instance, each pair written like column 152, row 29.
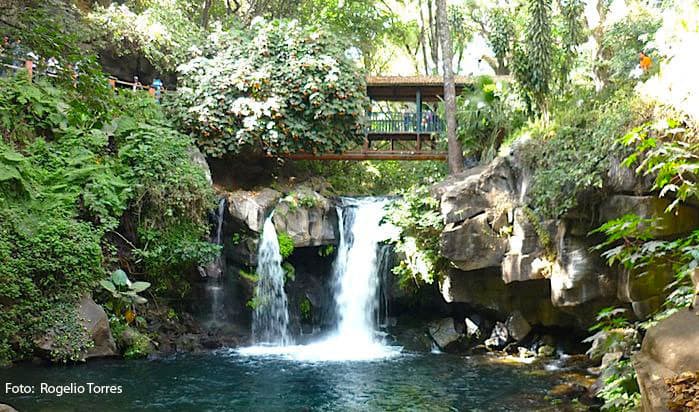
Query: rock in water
column 472, row 330
column 517, row 326
column 443, row 332
column 96, row 322
column 499, row 337
column 6, row 408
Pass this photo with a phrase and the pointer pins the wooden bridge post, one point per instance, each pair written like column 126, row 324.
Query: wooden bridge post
column 29, row 65
column 418, row 117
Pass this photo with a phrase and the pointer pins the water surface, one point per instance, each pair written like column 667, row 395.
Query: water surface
column 228, row 381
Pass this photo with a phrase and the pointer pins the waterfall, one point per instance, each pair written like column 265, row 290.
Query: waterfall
column 214, row 270
column 271, row 317
column 356, row 270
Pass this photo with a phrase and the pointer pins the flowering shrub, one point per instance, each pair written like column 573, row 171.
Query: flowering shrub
column 277, row 87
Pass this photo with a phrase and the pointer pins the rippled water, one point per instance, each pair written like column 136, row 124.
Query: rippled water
column 228, row 381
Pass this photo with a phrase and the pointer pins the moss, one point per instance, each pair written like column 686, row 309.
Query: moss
column 286, row 244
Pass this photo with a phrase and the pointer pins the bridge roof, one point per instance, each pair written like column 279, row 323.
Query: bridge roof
column 404, row 88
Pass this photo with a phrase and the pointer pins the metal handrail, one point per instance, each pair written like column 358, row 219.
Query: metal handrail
column 404, row 122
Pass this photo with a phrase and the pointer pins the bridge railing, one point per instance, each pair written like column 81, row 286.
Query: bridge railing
column 43, row 68
column 404, row 122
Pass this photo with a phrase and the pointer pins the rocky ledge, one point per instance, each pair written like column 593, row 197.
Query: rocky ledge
column 505, row 259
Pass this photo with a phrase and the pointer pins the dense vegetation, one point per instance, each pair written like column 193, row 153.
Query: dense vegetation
column 89, row 182
column 98, row 188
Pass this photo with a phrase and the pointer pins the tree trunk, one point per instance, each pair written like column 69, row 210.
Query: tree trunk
column 434, row 24
column 205, row 14
column 456, row 156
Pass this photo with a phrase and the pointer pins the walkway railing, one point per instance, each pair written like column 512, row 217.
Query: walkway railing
column 404, row 122
column 54, row 70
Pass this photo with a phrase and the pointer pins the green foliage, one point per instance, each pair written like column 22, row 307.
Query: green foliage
column 569, row 156
column 289, row 272
column 417, row 216
column 388, row 177
column 286, row 244
column 69, row 338
column 623, row 41
column 140, row 346
column 485, row 116
column 277, row 87
column 660, row 150
column 124, row 292
column 249, row 276
column 162, row 32
column 168, row 254
column 326, row 250
column 306, row 309
column 364, row 24
column 86, row 178
column 535, row 72
column 620, row 392
column 47, row 262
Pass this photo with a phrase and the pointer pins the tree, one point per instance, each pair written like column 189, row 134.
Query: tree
column 455, row 157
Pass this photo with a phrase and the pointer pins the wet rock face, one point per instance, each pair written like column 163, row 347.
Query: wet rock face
column 668, row 349
column 309, row 218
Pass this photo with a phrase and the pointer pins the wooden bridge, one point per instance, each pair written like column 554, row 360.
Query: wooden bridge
column 403, row 134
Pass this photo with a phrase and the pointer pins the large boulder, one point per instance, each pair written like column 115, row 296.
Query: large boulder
column 669, row 348
column 473, row 244
column 444, row 333
column 517, row 326
column 96, row 324
column 308, row 218
column 250, row 208
column 95, row 321
column 475, row 190
column 6, row 408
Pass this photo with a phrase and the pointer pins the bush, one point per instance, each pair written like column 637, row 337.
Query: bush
column 570, row 156
column 46, row 263
column 83, row 188
column 278, row 87
column 418, row 216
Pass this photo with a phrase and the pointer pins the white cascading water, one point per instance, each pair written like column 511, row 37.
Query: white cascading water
column 214, row 271
column 271, row 317
column 356, row 273
column 357, row 285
